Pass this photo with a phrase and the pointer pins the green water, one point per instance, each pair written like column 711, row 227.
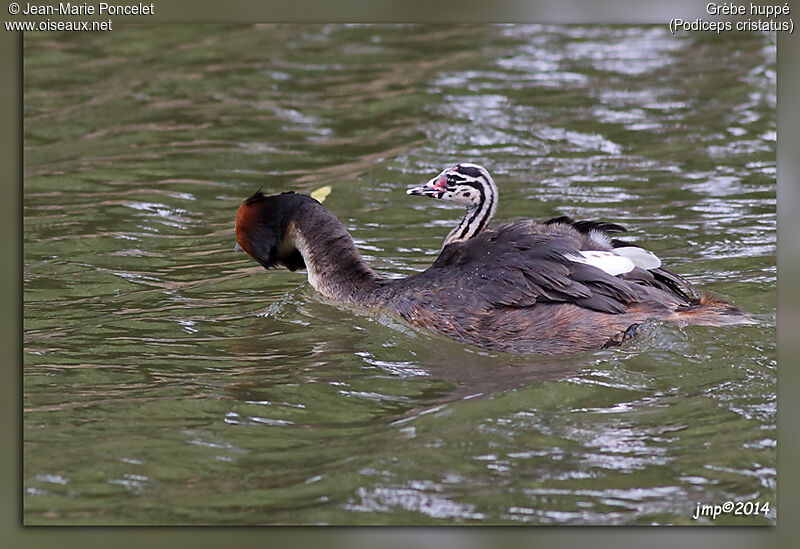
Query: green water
column 169, row 380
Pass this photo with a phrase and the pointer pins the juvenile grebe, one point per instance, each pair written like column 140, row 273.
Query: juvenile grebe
column 471, row 185
column 510, row 289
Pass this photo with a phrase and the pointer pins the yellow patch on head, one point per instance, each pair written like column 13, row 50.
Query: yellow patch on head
column 322, row 193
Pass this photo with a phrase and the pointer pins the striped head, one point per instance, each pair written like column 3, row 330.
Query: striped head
column 469, row 185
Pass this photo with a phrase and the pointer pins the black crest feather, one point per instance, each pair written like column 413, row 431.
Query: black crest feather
column 587, row 226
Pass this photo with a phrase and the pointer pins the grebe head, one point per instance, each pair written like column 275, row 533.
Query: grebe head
column 466, row 184
column 469, row 185
column 264, row 228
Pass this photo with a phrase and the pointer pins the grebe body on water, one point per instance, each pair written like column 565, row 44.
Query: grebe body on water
column 516, row 288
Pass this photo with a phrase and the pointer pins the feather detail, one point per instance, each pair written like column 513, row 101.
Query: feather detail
column 608, row 262
column 640, row 257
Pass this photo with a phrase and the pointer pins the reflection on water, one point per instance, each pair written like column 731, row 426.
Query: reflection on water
column 169, row 380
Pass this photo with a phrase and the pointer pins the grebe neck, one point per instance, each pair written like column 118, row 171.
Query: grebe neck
column 477, row 216
column 334, row 266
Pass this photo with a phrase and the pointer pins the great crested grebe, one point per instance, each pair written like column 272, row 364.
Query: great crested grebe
column 521, row 288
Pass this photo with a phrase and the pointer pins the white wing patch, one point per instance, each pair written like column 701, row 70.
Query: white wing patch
column 640, row 257
column 610, row 262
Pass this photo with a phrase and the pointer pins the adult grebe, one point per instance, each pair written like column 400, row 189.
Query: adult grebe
column 511, row 289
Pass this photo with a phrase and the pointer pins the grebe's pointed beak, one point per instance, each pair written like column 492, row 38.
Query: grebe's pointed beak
column 434, row 188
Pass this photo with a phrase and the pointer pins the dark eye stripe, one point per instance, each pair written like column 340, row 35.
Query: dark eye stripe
column 465, row 183
column 454, row 178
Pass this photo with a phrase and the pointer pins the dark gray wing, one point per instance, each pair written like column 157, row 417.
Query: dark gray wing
column 660, row 278
column 663, row 279
column 514, row 267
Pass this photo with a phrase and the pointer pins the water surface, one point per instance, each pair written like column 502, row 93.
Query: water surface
column 170, row 380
